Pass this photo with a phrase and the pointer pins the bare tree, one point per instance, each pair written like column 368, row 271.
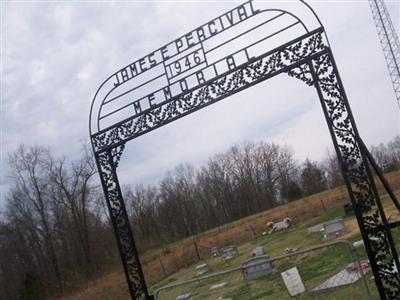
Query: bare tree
column 332, row 167
column 71, row 189
column 30, row 200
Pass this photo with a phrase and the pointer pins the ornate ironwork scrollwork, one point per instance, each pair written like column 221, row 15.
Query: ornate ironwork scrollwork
column 107, row 162
column 321, row 72
column 261, row 69
column 356, row 168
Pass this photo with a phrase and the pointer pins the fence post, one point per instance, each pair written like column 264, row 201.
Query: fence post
column 197, row 251
column 323, row 205
column 353, row 252
column 162, row 266
column 254, row 232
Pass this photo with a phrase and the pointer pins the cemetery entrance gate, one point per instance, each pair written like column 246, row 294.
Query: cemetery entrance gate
column 245, row 46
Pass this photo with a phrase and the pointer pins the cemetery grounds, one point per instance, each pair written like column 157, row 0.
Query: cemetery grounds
column 314, row 267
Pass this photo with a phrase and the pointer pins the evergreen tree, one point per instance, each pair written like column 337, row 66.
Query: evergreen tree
column 312, row 178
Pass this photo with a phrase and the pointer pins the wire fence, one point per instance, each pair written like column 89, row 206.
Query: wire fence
column 329, row 271
column 184, row 254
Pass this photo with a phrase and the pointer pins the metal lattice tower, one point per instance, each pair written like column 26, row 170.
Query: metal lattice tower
column 389, row 41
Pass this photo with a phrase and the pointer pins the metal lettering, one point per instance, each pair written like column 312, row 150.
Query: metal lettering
column 200, row 77
column 164, row 51
column 118, row 81
column 189, row 38
column 137, row 106
column 167, row 93
column 229, row 17
column 142, row 63
column 179, row 44
column 213, row 31
column 242, row 13
column 151, row 98
column 124, row 75
column 230, row 61
column 201, row 34
column 133, row 70
column 183, row 85
column 152, row 60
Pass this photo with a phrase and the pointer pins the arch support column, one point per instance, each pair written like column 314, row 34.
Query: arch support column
column 357, row 174
column 107, row 162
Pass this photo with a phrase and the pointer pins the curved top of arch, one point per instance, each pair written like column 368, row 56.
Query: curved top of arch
column 235, row 39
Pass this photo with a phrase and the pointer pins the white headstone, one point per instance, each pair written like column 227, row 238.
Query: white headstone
column 184, row 296
column 218, row 286
column 293, row 282
column 201, row 266
column 257, row 251
column 358, row 244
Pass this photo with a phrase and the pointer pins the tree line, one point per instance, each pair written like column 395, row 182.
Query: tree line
column 55, row 232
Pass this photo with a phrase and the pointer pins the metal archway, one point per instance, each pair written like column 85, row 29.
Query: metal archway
column 209, row 64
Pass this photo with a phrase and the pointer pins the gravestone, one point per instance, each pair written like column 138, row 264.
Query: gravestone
column 229, row 252
column 201, row 266
column 257, row 267
column 347, row 276
column 184, row 296
column 293, row 282
column 315, row 229
column 348, row 210
column 201, row 269
column 214, row 251
column 218, row 286
column 358, row 244
column 257, row 251
column 334, row 229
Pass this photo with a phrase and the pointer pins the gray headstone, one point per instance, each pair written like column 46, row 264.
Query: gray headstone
column 315, row 229
column 257, row 267
column 214, row 251
column 334, row 228
column 348, row 210
column 229, row 252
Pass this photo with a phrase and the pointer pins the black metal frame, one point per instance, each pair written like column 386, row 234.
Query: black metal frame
column 308, row 58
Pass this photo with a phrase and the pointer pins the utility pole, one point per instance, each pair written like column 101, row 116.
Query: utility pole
column 389, row 41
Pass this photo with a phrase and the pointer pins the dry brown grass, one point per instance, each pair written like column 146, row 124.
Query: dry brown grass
column 178, row 257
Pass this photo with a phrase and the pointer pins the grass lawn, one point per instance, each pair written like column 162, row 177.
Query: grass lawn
column 314, row 267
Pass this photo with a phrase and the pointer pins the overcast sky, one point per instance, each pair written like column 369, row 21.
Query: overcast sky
column 55, row 55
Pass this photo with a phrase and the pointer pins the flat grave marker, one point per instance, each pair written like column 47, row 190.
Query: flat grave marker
column 201, row 269
column 218, row 286
column 184, row 296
